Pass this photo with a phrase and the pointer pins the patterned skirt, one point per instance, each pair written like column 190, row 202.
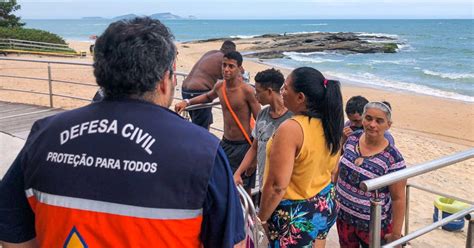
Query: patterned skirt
column 297, row 223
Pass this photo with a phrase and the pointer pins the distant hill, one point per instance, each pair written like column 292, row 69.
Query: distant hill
column 125, row 17
column 93, row 18
column 160, row 16
column 165, row 16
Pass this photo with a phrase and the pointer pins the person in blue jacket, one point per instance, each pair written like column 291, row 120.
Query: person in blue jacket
column 125, row 171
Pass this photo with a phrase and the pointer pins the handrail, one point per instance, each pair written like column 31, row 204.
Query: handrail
column 183, row 74
column 407, row 202
column 25, row 91
column 21, row 77
column 48, row 61
column 430, row 228
column 379, row 182
column 440, row 193
column 50, row 80
column 201, row 106
column 36, row 42
column 26, row 44
column 14, row 45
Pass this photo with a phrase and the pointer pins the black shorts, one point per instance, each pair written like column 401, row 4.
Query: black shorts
column 200, row 117
column 235, row 151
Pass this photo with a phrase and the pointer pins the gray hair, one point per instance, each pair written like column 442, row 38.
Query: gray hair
column 132, row 56
column 384, row 107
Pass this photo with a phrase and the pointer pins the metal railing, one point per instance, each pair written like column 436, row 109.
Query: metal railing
column 26, row 45
column 470, row 231
column 51, row 80
column 408, row 193
column 386, row 180
column 13, row 43
column 255, row 232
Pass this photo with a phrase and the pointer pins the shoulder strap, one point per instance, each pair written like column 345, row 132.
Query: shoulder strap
column 236, row 119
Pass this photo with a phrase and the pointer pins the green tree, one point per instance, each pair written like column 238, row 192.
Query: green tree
column 7, row 19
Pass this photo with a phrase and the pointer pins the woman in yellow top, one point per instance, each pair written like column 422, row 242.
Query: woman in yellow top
column 298, row 206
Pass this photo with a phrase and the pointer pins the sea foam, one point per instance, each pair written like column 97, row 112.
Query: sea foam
column 314, row 24
column 372, row 80
column 309, row 57
column 375, row 35
column 395, row 62
column 449, row 75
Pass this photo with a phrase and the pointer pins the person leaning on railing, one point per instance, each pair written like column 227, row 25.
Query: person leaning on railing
column 368, row 154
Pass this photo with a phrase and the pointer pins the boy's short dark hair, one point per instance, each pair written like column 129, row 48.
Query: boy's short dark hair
column 235, row 56
column 228, row 46
column 356, row 104
column 270, row 78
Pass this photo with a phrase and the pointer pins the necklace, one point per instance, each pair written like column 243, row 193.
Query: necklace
column 360, row 160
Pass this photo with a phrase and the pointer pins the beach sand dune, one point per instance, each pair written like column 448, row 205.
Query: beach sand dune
column 425, row 127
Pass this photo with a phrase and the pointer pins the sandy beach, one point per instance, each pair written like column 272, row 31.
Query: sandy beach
column 425, row 127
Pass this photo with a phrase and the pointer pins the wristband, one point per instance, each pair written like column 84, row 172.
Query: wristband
column 187, row 102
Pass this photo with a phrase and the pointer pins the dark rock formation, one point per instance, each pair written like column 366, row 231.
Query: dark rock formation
column 270, row 46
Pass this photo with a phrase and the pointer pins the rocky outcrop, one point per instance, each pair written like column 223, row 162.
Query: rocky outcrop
column 270, row 46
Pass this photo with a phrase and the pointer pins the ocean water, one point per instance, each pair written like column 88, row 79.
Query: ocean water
column 435, row 57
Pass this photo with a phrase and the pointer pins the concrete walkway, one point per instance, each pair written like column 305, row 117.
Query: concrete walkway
column 16, row 119
column 10, row 146
column 15, row 123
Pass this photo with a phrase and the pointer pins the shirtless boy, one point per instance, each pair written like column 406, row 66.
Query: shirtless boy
column 242, row 99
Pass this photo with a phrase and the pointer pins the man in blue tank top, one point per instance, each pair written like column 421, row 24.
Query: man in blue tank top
column 126, row 168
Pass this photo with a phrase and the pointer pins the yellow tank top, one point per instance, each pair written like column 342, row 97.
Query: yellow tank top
column 313, row 164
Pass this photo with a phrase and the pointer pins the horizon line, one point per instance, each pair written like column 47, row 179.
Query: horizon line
column 255, row 19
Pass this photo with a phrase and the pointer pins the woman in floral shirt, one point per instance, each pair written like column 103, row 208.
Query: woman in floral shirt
column 298, row 197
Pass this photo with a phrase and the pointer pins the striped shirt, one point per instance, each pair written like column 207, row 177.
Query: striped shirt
column 354, row 202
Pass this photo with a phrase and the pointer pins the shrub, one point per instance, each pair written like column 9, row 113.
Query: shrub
column 30, row 34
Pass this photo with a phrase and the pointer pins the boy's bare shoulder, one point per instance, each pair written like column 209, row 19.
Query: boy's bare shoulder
column 219, row 84
column 247, row 88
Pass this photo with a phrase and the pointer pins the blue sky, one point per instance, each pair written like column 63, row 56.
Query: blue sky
column 252, row 9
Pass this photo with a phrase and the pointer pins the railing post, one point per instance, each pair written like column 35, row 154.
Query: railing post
column 470, row 232
column 50, row 83
column 375, row 221
column 407, row 210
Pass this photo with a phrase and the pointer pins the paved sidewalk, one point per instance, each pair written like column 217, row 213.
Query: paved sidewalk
column 15, row 123
column 9, row 147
